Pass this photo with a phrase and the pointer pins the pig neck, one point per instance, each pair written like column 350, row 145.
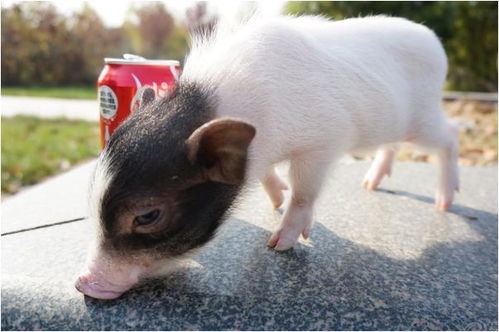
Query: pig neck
column 196, row 102
column 194, row 105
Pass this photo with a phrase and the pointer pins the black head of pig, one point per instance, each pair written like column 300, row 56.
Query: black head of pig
column 162, row 186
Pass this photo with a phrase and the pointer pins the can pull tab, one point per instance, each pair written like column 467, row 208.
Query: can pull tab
column 133, row 57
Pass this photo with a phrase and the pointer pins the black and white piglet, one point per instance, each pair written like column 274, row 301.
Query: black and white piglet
column 301, row 89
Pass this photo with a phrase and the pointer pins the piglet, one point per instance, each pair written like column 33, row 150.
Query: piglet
column 302, row 89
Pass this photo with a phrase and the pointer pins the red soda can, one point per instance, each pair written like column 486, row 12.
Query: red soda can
column 119, row 82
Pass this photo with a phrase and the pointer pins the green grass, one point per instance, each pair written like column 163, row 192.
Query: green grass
column 70, row 92
column 33, row 149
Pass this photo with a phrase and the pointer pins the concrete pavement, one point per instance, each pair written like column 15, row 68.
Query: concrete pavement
column 74, row 109
column 384, row 260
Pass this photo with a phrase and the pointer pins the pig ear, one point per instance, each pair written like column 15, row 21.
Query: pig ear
column 220, row 147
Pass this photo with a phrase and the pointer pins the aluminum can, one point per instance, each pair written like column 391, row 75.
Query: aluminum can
column 119, row 82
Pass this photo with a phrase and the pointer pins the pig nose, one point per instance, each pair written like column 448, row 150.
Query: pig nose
column 85, row 285
column 80, row 281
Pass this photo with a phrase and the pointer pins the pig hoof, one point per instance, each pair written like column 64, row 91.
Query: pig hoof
column 369, row 184
column 274, row 188
column 277, row 199
column 445, row 194
column 285, row 238
column 443, row 205
column 443, row 201
column 280, row 242
column 374, row 176
column 381, row 166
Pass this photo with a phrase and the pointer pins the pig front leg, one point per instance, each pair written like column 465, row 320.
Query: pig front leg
column 306, row 175
column 274, row 186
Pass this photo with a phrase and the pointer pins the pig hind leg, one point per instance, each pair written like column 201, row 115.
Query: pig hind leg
column 306, row 175
column 381, row 166
column 443, row 139
column 274, row 186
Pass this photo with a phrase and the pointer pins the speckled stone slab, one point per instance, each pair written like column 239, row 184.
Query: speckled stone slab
column 57, row 199
column 384, row 260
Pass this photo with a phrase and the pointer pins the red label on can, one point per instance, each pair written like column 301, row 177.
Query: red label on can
column 118, row 84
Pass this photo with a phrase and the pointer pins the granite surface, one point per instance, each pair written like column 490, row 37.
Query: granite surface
column 58, row 199
column 384, row 260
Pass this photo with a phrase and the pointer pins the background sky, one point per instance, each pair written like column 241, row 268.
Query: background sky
column 113, row 12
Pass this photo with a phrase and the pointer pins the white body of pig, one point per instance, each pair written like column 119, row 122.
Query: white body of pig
column 301, row 89
column 316, row 89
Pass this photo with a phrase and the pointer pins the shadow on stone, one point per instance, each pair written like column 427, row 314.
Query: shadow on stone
column 333, row 284
column 375, row 262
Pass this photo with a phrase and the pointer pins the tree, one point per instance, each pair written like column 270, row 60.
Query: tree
column 198, row 20
column 176, row 46
column 87, row 44
column 155, row 25
column 472, row 49
column 29, row 32
column 42, row 46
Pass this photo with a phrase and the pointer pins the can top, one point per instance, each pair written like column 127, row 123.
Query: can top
column 131, row 59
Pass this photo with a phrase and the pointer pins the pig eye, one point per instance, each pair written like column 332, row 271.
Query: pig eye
column 147, row 218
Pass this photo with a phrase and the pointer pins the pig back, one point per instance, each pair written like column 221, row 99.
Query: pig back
column 311, row 84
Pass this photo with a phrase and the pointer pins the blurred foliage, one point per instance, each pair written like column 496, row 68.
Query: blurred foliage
column 199, row 21
column 152, row 33
column 34, row 148
column 40, row 46
column 468, row 30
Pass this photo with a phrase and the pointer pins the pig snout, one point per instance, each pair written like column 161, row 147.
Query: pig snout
column 101, row 289
column 107, row 282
